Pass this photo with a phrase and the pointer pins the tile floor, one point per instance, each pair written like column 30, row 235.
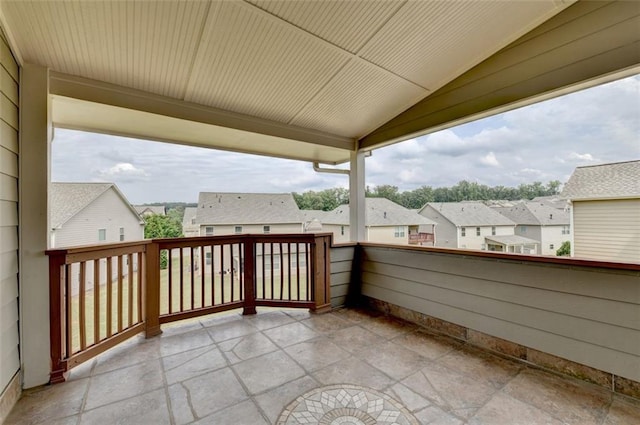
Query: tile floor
column 230, row 369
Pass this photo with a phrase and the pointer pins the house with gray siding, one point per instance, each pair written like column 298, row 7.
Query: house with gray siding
column 189, row 226
column 467, row 225
column 539, row 221
column 91, row 213
column 605, row 205
column 145, row 210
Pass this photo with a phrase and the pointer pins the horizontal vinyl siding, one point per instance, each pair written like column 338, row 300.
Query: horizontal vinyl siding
column 589, row 316
column 341, row 265
column 109, row 211
column 9, row 337
column 607, row 230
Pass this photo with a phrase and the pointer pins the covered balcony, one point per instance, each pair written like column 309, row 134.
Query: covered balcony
column 395, row 334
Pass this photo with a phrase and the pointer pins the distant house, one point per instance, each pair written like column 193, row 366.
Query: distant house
column 385, row 222
column 235, row 213
column 91, row 213
column 145, row 210
column 189, row 226
column 605, row 211
column 473, row 225
column 548, row 225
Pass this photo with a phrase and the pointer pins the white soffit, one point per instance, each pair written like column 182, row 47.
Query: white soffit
column 97, row 117
column 338, row 67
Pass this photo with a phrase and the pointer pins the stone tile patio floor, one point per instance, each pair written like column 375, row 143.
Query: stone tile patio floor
column 230, row 369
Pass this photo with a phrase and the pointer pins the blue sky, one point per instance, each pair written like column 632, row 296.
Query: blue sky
column 541, row 142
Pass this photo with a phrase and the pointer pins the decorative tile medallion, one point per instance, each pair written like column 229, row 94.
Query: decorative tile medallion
column 345, row 405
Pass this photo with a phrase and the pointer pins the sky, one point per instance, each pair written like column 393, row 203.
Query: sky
column 540, row 142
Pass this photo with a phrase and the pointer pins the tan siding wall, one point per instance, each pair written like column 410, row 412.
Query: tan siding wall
column 607, row 230
column 385, row 234
column 108, row 212
column 9, row 338
column 225, row 229
column 341, row 264
column 552, row 235
column 587, row 315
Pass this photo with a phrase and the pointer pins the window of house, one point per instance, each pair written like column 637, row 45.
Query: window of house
column 551, row 246
column 208, row 230
column 238, row 229
column 493, row 230
column 463, row 231
column 342, row 230
column 477, row 231
column 193, row 221
column 268, row 260
column 523, row 229
column 399, row 232
column 102, row 235
column 207, row 257
column 121, row 234
column 265, row 229
column 565, row 230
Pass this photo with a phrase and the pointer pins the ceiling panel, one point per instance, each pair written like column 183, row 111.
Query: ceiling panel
column 253, row 63
column 144, row 45
column 358, row 96
column 452, row 36
column 348, row 24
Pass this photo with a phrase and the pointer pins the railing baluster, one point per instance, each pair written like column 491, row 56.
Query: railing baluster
column 82, row 305
column 264, row 289
column 289, row 271
column 281, row 272
column 192, row 267
column 242, row 268
column 69, row 307
column 96, row 301
column 139, row 291
column 169, row 277
column 181, row 281
column 308, row 272
column 222, row 279
column 109, row 295
column 272, row 277
column 213, row 277
column 202, row 273
column 120, row 295
column 298, row 270
column 233, row 272
column 130, row 291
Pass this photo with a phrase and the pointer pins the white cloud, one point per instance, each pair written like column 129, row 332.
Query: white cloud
column 581, row 157
column 122, row 169
column 490, row 160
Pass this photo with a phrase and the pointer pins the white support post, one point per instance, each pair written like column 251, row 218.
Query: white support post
column 356, row 197
column 35, row 137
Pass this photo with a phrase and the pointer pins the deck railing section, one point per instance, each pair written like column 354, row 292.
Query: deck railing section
column 102, row 295
column 96, row 296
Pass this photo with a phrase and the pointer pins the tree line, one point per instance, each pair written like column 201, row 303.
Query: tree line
column 330, row 199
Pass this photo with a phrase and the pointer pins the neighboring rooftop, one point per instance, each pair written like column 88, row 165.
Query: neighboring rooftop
column 469, row 214
column 378, row 212
column 534, row 214
column 189, row 215
column 605, row 181
column 247, row 208
column 68, row 199
column 150, row 209
column 512, row 240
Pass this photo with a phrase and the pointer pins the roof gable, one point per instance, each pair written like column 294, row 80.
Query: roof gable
column 378, row 212
column 68, row 199
column 620, row 180
column 469, row 214
column 534, row 214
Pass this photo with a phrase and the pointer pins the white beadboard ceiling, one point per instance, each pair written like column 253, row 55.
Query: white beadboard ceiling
column 340, row 68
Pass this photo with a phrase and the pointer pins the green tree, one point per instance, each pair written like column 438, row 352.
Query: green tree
column 162, row 226
column 564, row 250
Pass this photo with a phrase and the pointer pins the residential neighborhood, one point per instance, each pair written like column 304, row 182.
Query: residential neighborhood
column 596, row 214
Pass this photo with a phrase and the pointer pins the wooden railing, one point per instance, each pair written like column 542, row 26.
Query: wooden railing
column 102, row 295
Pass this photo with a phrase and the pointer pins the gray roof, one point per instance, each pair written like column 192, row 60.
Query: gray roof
column 378, row 212
column 68, row 199
column 512, row 240
column 153, row 209
column 606, row 181
column 247, row 208
column 469, row 214
column 534, row 214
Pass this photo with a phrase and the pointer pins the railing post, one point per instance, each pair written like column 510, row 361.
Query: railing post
column 56, row 336
column 320, row 256
column 249, row 274
column 152, row 290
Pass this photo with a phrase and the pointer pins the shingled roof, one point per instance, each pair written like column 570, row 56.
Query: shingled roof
column 469, row 214
column 68, row 199
column 247, row 208
column 534, row 214
column 620, row 180
column 378, row 212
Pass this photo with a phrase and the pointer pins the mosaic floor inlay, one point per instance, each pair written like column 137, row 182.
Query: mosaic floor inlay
column 345, row 405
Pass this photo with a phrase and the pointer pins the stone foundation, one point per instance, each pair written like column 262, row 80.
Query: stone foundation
column 510, row 349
